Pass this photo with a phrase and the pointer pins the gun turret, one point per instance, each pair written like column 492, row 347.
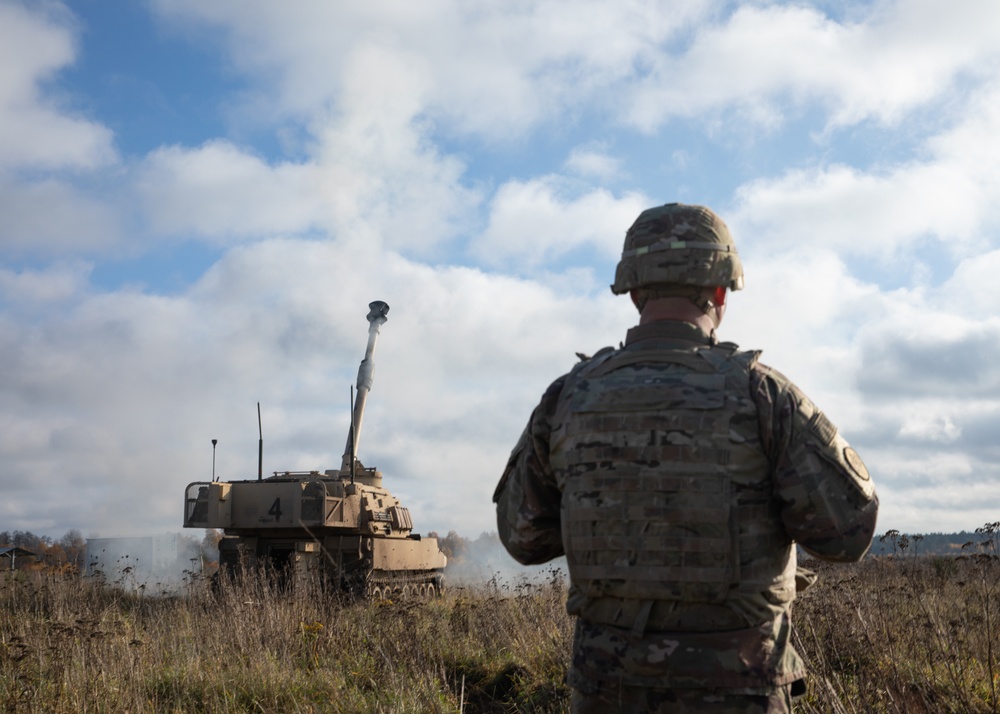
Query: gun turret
column 377, row 316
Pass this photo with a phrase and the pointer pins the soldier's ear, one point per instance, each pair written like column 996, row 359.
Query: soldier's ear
column 720, row 296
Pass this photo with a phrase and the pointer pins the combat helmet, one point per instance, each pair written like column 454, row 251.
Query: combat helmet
column 678, row 244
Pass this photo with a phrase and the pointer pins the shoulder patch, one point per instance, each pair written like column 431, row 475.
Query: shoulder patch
column 856, row 464
column 859, row 472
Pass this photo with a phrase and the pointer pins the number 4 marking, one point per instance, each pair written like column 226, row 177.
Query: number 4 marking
column 275, row 509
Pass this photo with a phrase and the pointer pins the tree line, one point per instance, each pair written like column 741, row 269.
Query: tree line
column 67, row 552
column 70, row 550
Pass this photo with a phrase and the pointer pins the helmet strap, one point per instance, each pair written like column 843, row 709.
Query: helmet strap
column 708, row 303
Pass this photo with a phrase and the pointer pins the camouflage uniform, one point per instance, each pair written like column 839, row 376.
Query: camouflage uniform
column 676, row 474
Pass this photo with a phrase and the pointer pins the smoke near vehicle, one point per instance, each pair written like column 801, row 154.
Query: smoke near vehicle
column 155, row 564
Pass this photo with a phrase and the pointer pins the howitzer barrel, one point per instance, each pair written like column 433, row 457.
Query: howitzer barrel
column 377, row 316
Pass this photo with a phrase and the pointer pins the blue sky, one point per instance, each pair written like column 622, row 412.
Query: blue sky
column 198, row 201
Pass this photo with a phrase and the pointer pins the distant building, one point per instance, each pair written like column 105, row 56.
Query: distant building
column 13, row 553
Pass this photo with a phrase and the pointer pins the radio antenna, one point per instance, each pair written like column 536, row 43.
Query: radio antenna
column 260, row 447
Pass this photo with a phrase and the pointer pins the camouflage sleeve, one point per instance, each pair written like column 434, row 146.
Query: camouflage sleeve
column 828, row 499
column 527, row 497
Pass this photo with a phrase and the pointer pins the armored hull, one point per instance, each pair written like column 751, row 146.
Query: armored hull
column 354, row 537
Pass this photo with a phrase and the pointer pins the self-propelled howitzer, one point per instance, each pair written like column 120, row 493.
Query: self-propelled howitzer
column 339, row 526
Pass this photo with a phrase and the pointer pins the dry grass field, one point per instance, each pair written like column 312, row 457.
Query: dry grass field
column 897, row 634
column 905, row 633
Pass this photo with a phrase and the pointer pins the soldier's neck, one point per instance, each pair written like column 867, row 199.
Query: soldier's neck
column 677, row 309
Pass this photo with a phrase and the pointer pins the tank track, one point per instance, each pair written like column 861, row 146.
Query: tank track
column 383, row 584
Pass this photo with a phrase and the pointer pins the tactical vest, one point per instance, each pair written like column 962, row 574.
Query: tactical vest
column 667, row 491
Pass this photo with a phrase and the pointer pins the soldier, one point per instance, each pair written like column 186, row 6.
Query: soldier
column 676, row 474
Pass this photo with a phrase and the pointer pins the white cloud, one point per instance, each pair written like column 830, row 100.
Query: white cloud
column 36, row 133
column 949, row 196
column 907, row 374
column 495, row 68
column 130, row 388
column 860, row 213
column 50, row 217
column 593, row 161
column 533, row 222
column 59, row 283
column 371, row 174
column 380, row 173
column 107, row 394
column 910, row 371
column 930, row 427
column 970, row 286
column 904, row 54
column 803, row 297
column 220, row 191
column 44, row 215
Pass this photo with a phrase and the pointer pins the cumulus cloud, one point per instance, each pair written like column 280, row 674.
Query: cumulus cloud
column 929, row 392
column 412, row 183
column 381, row 175
column 969, row 285
column 805, row 298
column 534, row 222
column 44, row 214
column 930, row 427
column 496, row 68
column 219, row 191
column 900, row 56
column 860, row 212
column 906, row 373
column 34, row 44
column 50, row 217
column 59, row 283
column 370, row 173
column 527, row 63
column 594, row 161
column 948, row 197
column 132, row 387
column 373, row 101
column 940, row 355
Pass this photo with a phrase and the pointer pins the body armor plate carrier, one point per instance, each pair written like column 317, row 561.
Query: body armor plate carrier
column 667, row 491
